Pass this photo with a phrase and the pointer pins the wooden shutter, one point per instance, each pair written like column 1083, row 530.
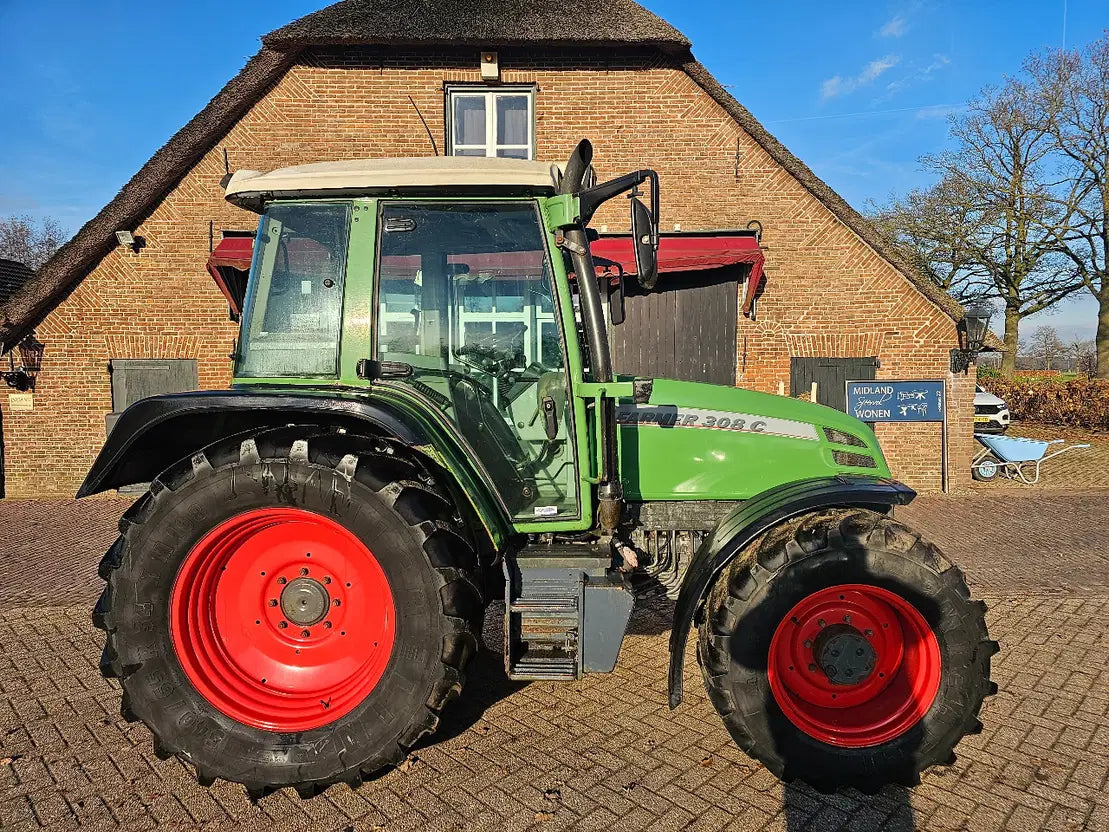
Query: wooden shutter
column 831, row 376
column 134, row 379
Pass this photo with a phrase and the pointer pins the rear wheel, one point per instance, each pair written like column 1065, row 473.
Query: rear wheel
column 844, row 650
column 282, row 612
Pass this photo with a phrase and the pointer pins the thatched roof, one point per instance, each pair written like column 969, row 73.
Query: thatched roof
column 611, row 22
column 13, row 275
column 480, row 22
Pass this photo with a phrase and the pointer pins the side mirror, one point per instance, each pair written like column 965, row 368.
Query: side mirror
column 645, row 244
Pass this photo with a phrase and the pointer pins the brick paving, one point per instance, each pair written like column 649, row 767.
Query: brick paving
column 602, row 753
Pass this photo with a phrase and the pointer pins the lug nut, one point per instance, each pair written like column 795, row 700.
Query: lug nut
column 273, row 602
column 327, row 580
column 808, row 643
column 812, row 667
column 337, row 602
column 281, row 581
column 847, row 619
column 305, row 633
column 821, row 622
column 868, row 633
column 304, row 570
column 283, row 624
column 327, row 625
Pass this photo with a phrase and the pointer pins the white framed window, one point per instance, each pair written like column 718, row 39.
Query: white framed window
column 491, row 121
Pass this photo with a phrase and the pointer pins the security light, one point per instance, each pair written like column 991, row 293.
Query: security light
column 131, row 240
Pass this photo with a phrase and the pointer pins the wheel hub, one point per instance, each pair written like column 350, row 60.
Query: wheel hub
column 854, row 665
column 282, row 619
column 844, row 654
column 305, row 601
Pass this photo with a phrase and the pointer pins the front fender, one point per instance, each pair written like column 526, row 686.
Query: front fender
column 749, row 520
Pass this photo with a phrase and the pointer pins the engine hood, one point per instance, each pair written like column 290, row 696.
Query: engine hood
column 701, row 441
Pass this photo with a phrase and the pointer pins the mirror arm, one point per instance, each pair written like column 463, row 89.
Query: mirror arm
column 591, row 199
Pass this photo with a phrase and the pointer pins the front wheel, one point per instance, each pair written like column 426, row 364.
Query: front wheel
column 842, row 649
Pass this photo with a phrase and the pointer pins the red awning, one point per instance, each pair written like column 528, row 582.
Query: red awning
column 228, row 264
column 690, row 252
column 678, row 252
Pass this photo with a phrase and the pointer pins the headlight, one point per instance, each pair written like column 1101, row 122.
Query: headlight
column 842, row 437
column 854, row 460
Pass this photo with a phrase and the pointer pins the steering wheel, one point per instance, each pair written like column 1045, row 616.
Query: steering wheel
column 491, row 357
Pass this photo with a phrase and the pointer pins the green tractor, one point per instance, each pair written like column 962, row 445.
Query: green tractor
column 424, row 415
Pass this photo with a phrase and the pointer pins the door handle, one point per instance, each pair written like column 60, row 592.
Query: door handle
column 370, row 369
column 550, row 418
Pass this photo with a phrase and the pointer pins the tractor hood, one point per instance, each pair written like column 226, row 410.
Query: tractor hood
column 693, row 441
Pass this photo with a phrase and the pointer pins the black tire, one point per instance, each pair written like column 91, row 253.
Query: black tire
column 982, row 470
column 757, row 590
column 376, row 492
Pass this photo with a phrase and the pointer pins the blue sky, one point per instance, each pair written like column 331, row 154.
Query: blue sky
column 859, row 90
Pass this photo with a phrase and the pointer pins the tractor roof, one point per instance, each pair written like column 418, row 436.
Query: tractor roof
column 251, row 188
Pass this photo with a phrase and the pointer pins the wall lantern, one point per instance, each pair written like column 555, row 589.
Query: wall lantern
column 972, row 329
column 30, row 361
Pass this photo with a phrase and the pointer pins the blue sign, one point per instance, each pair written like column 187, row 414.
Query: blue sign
column 896, row 401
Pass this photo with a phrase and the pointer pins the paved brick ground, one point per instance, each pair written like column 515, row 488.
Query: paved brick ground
column 604, row 753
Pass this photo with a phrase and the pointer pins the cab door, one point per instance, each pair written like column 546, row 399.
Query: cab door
column 467, row 319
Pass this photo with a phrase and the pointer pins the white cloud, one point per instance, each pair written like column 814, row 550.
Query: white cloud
column 895, row 27
column 838, row 85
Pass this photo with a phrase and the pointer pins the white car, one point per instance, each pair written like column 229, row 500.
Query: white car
column 991, row 414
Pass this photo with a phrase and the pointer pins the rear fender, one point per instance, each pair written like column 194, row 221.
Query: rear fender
column 746, row 522
column 157, row 432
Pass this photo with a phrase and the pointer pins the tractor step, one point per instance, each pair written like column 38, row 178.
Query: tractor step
column 566, row 613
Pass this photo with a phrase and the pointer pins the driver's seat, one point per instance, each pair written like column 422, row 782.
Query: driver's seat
column 497, row 446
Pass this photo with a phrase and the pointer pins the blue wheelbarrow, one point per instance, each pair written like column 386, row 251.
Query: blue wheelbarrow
column 1015, row 457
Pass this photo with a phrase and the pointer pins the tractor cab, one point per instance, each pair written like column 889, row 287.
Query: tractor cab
column 448, row 281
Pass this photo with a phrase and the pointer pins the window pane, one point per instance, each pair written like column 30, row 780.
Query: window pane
column 512, row 119
column 469, row 119
column 291, row 326
column 470, row 151
column 513, row 152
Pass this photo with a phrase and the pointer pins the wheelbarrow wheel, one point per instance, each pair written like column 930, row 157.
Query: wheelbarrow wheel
column 987, row 469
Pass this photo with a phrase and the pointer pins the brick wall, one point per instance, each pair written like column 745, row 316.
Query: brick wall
column 828, row 294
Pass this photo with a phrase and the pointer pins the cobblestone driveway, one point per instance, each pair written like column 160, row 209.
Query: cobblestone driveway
column 605, row 753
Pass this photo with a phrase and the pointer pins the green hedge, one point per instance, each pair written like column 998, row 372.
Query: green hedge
column 1077, row 402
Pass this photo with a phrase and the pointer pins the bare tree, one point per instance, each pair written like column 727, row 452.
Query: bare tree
column 929, row 228
column 1002, row 168
column 1045, row 347
column 28, row 241
column 1073, row 87
column 1085, row 356
column 993, row 225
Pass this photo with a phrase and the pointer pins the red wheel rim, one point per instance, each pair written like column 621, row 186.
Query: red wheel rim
column 282, row 619
column 854, row 665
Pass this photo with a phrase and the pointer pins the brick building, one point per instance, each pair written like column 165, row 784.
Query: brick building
column 365, row 78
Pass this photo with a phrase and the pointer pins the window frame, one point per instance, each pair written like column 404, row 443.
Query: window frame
column 489, row 93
